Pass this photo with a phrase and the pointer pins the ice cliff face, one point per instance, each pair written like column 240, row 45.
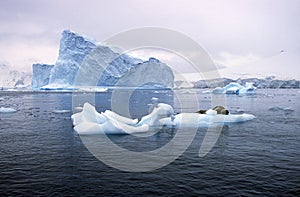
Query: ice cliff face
column 82, row 62
column 41, row 75
column 73, row 49
column 151, row 73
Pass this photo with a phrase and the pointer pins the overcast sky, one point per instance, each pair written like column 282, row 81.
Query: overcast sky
column 245, row 37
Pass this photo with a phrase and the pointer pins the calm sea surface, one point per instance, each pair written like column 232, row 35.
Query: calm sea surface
column 41, row 155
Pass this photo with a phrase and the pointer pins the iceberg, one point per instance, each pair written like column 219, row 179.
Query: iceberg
column 40, row 75
column 149, row 74
column 235, row 88
column 82, row 62
column 72, row 51
column 90, row 122
column 268, row 82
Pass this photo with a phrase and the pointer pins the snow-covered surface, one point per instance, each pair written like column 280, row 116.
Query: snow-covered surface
column 84, row 62
column 89, row 121
column 11, row 78
column 7, row 110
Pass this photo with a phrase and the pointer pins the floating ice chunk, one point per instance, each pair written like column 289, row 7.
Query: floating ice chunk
column 195, row 120
column 61, row 111
column 275, row 108
column 93, row 89
column 154, row 99
column 206, row 91
column 88, row 114
column 288, row 110
column 89, row 121
column 232, row 90
column 162, row 110
column 78, row 108
column 235, row 88
column 240, row 111
column 218, row 90
column 57, row 87
column 7, row 110
column 120, row 118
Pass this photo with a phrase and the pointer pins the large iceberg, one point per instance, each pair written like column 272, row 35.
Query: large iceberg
column 82, row 62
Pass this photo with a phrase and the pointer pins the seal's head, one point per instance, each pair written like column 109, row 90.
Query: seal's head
column 201, row 111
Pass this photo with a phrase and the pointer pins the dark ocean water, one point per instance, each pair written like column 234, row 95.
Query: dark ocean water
column 41, row 155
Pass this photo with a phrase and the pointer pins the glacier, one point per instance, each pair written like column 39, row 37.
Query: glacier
column 83, row 62
column 11, row 78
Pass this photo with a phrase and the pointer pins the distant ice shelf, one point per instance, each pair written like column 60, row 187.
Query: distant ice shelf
column 233, row 88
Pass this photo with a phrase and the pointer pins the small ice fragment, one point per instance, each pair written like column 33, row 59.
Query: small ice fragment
column 78, row 108
column 218, row 90
column 240, row 111
column 275, row 108
column 7, row 110
column 154, row 99
column 206, row 91
column 288, row 110
column 61, row 111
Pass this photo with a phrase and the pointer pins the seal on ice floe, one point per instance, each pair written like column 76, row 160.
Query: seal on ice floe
column 218, row 109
